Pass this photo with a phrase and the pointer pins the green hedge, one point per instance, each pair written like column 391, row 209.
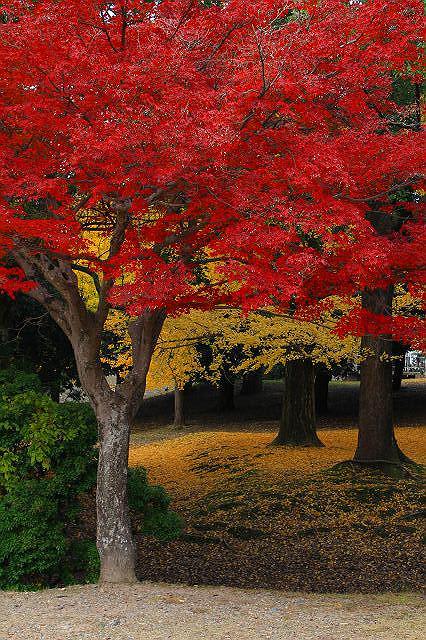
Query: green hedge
column 48, row 460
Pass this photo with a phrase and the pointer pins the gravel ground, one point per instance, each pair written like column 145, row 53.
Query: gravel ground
column 149, row 611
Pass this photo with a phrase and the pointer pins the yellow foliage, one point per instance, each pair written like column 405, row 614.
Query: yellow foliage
column 263, row 339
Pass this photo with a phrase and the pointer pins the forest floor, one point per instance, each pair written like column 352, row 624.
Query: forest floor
column 171, row 612
column 283, row 518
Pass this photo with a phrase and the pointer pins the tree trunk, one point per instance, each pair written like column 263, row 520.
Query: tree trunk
column 297, row 426
column 4, row 330
column 376, row 440
column 399, row 350
column 226, row 388
column 114, row 533
column 322, row 380
column 114, row 409
column 179, row 414
column 252, row 383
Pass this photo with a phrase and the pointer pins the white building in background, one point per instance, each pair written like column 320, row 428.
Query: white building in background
column 415, row 362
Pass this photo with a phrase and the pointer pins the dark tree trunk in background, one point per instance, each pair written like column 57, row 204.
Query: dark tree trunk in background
column 376, row 440
column 399, row 350
column 227, row 388
column 322, row 380
column 4, row 329
column 179, row 412
column 297, row 426
column 252, row 383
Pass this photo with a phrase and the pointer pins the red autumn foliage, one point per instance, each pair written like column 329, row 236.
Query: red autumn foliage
column 261, row 134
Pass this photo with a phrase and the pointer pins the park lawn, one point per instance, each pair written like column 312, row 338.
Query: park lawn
column 264, row 516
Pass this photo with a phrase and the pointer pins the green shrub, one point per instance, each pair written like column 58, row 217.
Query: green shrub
column 152, row 502
column 13, row 382
column 48, row 461
column 33, row 544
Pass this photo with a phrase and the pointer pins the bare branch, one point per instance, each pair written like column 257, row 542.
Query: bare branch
column 89, row 272
column 382, row 194
column 203, row 66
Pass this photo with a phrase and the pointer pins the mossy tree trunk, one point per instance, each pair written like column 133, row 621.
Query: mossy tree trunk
column 114, row 531
column 298, row 425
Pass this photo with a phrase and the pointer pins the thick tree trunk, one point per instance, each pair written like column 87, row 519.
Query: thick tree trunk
column 297, row 426
column 114, row 533
column 114, row 409
column 322, row 380
column 179, row 412
column 376, row 439
column 252, row 383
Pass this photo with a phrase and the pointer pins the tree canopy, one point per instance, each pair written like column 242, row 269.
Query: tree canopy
column 261, row 133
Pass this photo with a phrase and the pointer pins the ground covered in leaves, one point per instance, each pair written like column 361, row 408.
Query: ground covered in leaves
column 261, row 516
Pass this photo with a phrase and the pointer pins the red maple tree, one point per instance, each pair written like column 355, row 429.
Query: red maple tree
column 256, row 135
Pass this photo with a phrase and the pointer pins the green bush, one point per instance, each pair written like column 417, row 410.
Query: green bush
column 13, row 382
column 152, row 503
column 48, row 461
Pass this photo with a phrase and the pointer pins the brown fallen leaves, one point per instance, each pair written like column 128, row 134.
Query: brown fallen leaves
column 278, row 517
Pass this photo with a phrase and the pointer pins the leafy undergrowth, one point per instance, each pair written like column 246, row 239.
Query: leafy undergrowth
column 279, row 517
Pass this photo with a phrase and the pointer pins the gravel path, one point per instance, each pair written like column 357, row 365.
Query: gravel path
column 167, row 612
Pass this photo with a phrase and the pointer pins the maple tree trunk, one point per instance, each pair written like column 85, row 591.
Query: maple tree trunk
column 376, row 439
column 114, row 411
column 322, row 380
column 179, row 412
column 114, row 533
column 252, row 383
column 297, row 425
column 114, row 539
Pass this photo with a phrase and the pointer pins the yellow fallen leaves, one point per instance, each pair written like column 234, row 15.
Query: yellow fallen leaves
column 197, row 462
column 265, row 516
